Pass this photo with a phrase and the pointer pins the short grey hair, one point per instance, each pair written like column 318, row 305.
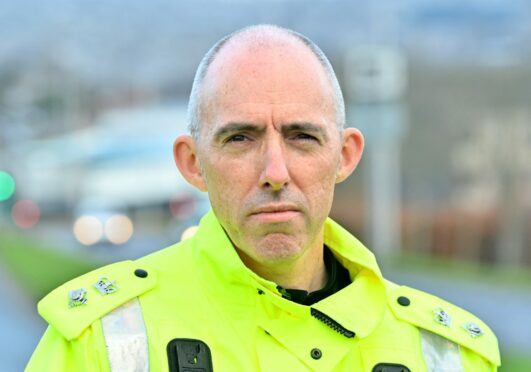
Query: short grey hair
column 195, row 102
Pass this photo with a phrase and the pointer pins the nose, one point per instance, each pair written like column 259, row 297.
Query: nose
column 275, row 174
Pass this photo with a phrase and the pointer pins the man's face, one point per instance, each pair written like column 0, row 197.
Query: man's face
column 269, row 149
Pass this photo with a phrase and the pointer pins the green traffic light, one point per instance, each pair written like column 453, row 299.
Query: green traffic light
column 7, row 186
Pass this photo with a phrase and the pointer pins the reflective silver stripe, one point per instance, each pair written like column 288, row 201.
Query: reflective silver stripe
column 126, row 338
column 440, row 354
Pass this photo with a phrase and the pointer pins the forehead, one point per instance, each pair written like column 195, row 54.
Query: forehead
column 278, row 74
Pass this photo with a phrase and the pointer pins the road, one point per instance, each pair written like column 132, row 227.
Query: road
column 21, row 326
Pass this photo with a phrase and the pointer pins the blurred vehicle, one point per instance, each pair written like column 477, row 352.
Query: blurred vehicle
column 121, row 166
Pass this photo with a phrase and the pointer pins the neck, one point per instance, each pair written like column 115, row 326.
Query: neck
column 306, row 272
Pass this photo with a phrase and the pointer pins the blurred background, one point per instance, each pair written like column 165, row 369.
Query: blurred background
column 93, row 93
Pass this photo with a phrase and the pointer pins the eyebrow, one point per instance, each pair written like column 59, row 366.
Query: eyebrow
column 306, row 127
column 236, row 127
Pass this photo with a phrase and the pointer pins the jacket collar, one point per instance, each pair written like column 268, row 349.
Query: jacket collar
column 358, row 307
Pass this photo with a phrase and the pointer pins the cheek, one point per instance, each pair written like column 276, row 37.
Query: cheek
column 320, row 169
column 226, row 184
column 323, row 190
column 318, row 188
column 319, row 180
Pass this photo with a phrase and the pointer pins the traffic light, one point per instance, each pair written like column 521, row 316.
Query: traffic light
column 7, row 186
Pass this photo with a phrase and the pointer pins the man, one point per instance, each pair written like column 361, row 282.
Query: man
column 268, row 282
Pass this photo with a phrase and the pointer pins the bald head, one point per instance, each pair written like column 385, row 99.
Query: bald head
column 259, row 42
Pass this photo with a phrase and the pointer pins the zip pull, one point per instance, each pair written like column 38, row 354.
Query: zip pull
column 332, row 323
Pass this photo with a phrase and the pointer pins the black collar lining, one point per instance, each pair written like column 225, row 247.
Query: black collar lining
column 338, row 278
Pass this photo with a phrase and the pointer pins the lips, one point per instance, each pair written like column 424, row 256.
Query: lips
column 276, row 208
column 275, row 213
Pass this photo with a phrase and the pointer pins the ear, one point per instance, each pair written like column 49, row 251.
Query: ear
column 185, row 156
column 351, row 151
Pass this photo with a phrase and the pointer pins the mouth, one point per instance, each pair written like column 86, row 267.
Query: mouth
column 275, row 213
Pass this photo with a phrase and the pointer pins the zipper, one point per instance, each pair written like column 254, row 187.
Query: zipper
column 332, row 323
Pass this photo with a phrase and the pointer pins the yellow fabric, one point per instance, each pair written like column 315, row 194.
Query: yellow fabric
column 86, row 354
column 204, row 292
column 70, row 322
column 420, row 313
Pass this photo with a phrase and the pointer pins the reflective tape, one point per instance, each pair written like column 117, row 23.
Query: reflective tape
column 126, row 338
column 440, row 354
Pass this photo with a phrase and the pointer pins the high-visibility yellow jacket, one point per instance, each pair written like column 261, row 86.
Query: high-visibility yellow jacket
column 195, row 304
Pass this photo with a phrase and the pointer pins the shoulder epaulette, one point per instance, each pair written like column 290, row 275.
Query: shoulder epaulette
column 75, row 305
column 440, row 317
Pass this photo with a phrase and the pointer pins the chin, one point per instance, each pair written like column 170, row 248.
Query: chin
column 278, row 247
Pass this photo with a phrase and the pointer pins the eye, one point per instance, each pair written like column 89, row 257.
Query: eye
column 304, row 137
column 236, row 138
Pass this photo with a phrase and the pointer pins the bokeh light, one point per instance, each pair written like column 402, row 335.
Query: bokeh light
column 88, row 230
column 7, row 186
column 25, row 214
column 189, row 232
column 182, row 207
column 118, row 229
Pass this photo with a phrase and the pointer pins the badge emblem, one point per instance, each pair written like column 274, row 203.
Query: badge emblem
column 473, row 329
column 105, row 286
column 442, row 317
column 77, row 297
